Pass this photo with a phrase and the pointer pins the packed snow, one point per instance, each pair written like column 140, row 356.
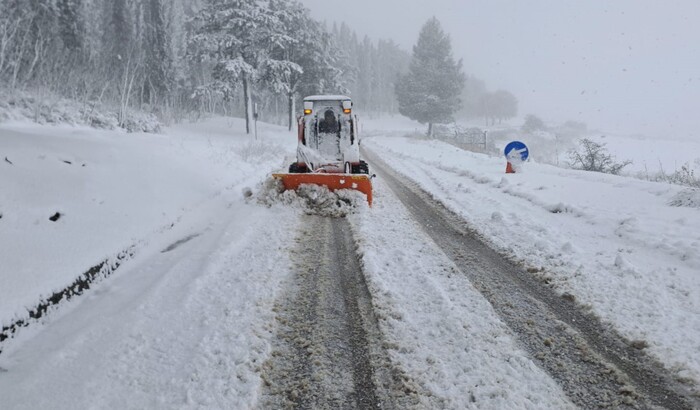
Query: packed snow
column 187, row 322
column 625, row 248
column 439, row 328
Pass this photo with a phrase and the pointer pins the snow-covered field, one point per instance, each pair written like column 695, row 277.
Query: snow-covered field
column 187, row 321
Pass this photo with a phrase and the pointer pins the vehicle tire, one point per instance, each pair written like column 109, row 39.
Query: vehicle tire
column 297, row 168
column 361, row 168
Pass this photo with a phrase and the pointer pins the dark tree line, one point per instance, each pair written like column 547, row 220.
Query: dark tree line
column 374, row 72
column 121, row 52
column 491, row 106
column 176, row 57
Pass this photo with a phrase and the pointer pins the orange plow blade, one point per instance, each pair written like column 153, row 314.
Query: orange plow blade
column 334, row 182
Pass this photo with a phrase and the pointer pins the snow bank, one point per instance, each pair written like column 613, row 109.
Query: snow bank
column 46, row 109
column 688, row 198
column 112, row 190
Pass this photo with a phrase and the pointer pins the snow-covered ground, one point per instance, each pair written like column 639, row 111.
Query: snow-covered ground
column 622, row 246
column 188, row 321
column 112, row 190
column 650, row 156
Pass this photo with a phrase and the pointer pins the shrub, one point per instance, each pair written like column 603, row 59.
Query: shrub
column 593, row 156
column 685, row 176
column 533, row 123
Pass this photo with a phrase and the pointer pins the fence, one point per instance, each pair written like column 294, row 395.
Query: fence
column 468, row 137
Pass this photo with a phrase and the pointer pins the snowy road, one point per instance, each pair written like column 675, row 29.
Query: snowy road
column 185, row 326
column 329, row 353
column 592, row 363
column 233, row 300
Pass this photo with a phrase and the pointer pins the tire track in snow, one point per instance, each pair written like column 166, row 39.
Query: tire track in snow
column 329, row 353
column 594, row 365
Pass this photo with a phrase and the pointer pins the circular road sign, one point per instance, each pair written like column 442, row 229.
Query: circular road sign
column 516, row 150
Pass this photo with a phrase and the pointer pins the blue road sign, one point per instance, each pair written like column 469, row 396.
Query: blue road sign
column 516, row 150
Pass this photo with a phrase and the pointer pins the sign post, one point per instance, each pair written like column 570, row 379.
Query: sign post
column 516, row 154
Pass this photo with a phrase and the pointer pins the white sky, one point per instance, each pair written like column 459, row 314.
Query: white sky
column 629, row 66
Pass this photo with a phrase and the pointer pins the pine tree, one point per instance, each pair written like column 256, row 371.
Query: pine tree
column 371, row 70
column 332, row 71
column 157, row 53
column 391, row 62
column 327, row 66
column 472, row 98
column 365, row 74
column 238, row 36
column 285, row 69
column 118, row 35
column 430, row 92
column 70, row 24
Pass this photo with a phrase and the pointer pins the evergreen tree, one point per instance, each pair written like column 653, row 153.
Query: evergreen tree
column 118, row 35
column 157, row 53
column 238, row 36
column 297, row 50
column 70, row 24
column 430, row 92
column 191, row 55
column 334, row 68
column 391, row 62
column 474, row 90
column 498, row 105
column 365, row 74
column 371, row 70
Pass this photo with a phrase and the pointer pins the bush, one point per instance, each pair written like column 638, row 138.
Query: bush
column 685, row 176
column 593, row 156
column 532, row 124
column 43, row 107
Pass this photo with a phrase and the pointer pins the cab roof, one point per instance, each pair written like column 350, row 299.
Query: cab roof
column 327, row 98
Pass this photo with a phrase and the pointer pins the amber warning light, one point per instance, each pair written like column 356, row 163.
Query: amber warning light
column 308, row 107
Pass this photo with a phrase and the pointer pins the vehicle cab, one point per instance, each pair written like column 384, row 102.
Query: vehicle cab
column 328, row 136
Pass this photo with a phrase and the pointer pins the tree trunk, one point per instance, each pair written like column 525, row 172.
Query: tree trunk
column 246, row 102
column 8, row 35
column 291, row 110
column 430, row 130
column 20, row 55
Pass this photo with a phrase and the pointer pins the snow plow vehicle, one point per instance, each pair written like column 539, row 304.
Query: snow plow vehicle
column 328, row 151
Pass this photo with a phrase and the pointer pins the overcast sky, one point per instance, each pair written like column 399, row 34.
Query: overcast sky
column 629, row 66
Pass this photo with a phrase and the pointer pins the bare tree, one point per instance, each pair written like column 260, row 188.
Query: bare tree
column 592, row 156
column 8, row 31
